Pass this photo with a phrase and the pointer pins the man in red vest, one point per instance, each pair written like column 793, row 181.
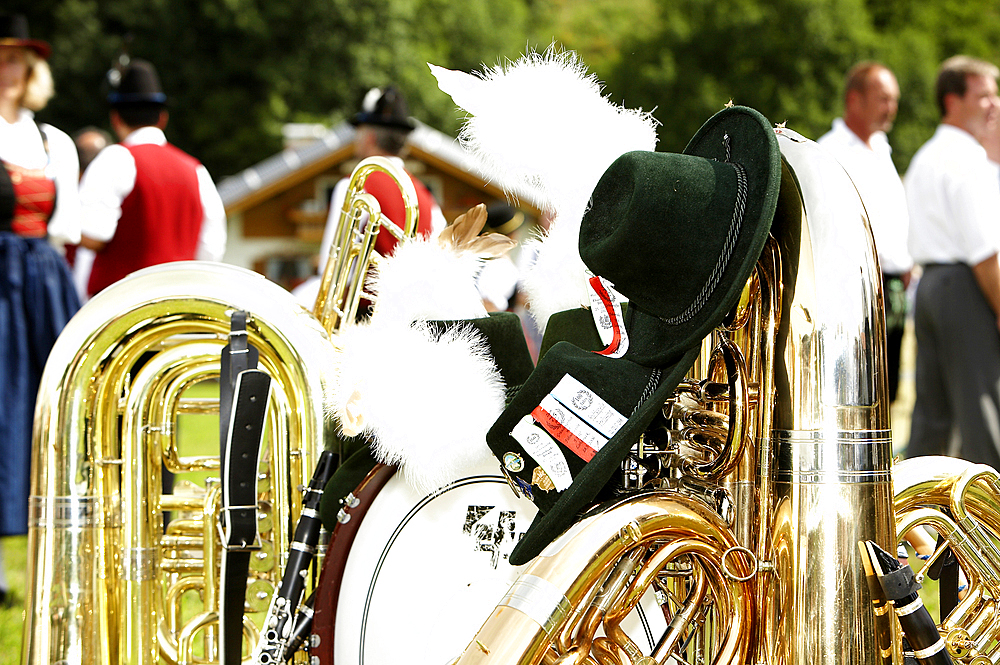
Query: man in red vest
column 144, row 201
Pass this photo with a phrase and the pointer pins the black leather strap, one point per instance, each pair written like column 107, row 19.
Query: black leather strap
column 239, row 504
column 243, row 399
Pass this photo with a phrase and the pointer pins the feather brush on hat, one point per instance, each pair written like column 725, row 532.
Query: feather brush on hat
column 558, row 137
column 424, row 400
column 436, row 279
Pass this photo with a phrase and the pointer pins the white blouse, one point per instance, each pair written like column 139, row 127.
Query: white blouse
column 21, row 145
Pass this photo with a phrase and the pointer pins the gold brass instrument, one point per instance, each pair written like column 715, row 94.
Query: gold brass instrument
column 960, row 501
column 743, row 507
column 109, row 583
column 353, row 248
column 112, row 585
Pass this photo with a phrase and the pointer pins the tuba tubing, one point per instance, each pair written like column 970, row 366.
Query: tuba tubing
column 353, row 249
column 546, row 599
column 91, row 598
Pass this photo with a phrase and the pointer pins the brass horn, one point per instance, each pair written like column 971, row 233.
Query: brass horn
column 960, row 501
column 353, row 250
column 108, row 580
column 775, row 455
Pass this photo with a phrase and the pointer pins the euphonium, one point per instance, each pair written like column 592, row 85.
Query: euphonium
column 353, row 250
column 960, row 501
column 108, row 579
column 743, row 507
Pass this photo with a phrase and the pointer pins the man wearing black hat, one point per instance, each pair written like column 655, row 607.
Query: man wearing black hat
column 146, row 202
column 382, row 127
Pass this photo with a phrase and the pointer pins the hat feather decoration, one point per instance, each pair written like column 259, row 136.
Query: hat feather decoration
column 541, row 123
column 436, row 279
column 424, row 400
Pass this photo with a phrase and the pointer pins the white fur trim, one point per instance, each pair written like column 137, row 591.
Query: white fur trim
column 425, row 402
column 422, row 280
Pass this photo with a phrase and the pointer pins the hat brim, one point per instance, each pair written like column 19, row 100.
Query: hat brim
column 366, row 118
column 37, row 45
column 125, row 99
column 617, row 381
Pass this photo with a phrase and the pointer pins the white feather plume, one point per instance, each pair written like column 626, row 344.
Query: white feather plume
column 558, row 137
column 422, row 280
column 426, row 401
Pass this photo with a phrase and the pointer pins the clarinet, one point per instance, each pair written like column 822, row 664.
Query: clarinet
column 301, row 626
column 278, row 624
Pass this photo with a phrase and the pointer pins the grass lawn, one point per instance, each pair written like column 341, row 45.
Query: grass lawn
column 12, row 619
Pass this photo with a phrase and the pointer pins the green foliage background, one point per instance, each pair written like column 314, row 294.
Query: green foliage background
column 236, row 70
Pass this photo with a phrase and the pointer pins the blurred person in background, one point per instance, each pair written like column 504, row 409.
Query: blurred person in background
column 953, row 194
column 39, row 210
column 144, row 201
column 89, row 141
column 381, row 130
column 859, row 142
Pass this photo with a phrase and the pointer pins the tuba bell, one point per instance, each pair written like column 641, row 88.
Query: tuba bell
column 743, row 505
column 109, row 580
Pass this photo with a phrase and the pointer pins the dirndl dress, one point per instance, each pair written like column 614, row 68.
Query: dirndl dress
column 37, row 299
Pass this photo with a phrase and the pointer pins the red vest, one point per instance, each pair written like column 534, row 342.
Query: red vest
column 390, row 201
column 161, row 217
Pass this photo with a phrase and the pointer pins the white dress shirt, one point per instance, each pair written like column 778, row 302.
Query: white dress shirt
column 881, row 190
column 953, row 193
column 111, row 177
column 21, row 145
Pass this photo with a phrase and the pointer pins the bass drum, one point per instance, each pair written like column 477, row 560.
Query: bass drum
column 423, row 572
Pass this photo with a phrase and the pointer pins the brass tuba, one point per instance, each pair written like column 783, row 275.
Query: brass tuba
column 109, row 580
column 743, row 506
column 112, row 584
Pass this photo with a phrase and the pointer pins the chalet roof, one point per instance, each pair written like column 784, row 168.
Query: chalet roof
column 291, row 165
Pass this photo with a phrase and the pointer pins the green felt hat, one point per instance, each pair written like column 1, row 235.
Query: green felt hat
column 678, row 235
column 505, row 338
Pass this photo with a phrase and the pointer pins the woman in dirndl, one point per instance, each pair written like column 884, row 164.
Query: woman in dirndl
column 39, row 210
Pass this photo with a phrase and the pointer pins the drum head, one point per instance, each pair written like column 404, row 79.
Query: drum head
column 425, row 571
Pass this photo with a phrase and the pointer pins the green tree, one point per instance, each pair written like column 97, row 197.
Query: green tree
column 785, row 58
column 237, row 70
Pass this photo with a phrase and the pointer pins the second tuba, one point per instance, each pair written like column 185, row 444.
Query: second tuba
column 743, row 505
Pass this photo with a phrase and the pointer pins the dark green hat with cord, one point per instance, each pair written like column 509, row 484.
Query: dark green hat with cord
column 679, row 236
column 505, row 338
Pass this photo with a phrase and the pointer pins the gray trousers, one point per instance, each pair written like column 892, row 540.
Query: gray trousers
column 958, row 368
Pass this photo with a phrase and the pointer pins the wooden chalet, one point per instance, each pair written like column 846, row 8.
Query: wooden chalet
column 277, row 208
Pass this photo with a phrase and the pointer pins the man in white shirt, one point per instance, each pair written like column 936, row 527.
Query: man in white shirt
column 953, row 194
column 858, row 141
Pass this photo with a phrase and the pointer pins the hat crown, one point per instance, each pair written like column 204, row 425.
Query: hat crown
column 679, row 234
column 659, row 222
column 14, row 31
column 386, row 107
column 14, row 26
column 139, row 84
